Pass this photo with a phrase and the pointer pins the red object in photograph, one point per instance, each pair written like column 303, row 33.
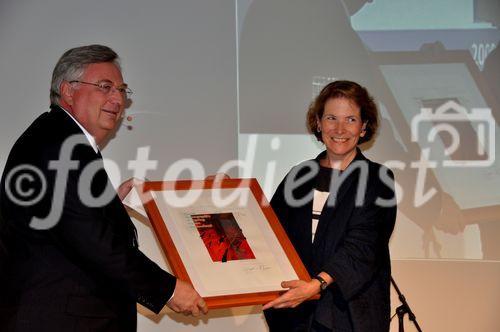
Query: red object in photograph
column 222, row 237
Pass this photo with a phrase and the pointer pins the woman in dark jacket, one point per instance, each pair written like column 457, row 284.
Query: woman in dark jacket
column 339, row 211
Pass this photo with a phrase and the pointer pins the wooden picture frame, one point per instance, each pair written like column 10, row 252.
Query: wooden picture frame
column 253, row 269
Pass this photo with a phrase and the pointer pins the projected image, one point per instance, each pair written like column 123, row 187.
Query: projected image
column 408, row 63
column 462, row 28
column 448, row 86
column 222, row 237
column 474, row 149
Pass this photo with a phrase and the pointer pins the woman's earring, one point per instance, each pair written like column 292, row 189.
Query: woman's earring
column 318, row 129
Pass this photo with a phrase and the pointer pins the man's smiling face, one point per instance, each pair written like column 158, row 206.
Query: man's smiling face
column 97, row 111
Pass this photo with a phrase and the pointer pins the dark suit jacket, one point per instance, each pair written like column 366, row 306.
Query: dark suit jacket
column 86, row 273
column 351, row 245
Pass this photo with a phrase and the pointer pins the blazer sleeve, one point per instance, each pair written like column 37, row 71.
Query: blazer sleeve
column 278, row 203
column 99, row 242
column 364, row 248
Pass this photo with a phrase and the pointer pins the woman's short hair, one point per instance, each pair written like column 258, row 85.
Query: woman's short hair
column 349, row 90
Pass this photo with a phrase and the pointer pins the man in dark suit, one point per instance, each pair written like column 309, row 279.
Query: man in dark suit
column 69, row 257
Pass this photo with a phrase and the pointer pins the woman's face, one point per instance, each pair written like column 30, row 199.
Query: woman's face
column 341, row 127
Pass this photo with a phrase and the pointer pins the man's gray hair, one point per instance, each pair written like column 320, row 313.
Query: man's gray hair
column 73, row 63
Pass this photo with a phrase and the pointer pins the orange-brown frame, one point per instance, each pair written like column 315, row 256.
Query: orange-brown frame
column 174, row 258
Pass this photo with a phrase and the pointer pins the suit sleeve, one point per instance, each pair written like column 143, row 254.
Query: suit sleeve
column 101, row 243
column 364, row 248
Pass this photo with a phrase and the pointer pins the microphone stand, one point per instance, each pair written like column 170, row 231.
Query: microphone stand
column 404, row 309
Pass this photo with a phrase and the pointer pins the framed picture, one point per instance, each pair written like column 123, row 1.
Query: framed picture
column 222, row 237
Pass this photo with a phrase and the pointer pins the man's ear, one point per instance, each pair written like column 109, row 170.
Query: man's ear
column 67, row 90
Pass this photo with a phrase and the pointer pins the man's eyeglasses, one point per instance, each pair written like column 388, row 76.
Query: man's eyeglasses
column 106, row 87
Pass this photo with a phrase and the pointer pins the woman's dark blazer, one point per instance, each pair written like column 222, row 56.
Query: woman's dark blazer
column 351, row 241
column 85, row 273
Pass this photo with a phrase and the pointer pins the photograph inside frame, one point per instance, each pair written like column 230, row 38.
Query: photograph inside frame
column 223, row 237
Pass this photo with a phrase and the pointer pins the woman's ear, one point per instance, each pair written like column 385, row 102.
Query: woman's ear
column 363, row 129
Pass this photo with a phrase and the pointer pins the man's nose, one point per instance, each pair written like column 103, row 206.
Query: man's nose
column 116, row 96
